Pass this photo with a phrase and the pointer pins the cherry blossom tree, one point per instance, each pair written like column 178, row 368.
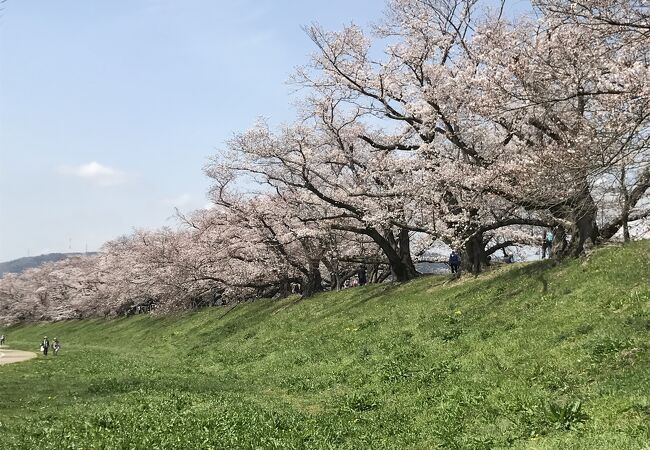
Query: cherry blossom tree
column 415, row 98
column 340, row 182
column 512, row 122
column 445, row 123
column 569, row 102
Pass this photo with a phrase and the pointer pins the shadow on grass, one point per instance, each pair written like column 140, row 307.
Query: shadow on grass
column 499, row 287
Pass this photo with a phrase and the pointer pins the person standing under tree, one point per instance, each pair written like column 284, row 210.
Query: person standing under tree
column 363, row 276
column 547, row 244
column 454, row 261
column 45, row 345
column 2, row 339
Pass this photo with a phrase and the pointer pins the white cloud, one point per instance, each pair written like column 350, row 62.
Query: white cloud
column 96, row 173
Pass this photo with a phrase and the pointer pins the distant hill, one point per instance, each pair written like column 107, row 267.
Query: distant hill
column 21, row 264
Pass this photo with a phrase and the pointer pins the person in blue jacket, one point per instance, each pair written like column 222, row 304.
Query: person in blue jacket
column 454, row 262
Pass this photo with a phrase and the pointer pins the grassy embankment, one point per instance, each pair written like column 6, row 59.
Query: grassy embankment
column 527, row 356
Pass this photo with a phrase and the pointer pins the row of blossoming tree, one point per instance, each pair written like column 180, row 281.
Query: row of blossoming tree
column 444, row 124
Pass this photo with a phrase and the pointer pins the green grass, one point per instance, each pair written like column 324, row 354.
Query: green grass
column 527, row 356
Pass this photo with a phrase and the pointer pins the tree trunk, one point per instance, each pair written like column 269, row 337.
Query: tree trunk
column 473, row 255
column 313, row 282
column 402, row 271
column 405, row 255
column 625, row 216
column 336, row 281
column 402, row 267
column 373, row 273
column 631, row 198
column 559, row 244
column 398, row 252
column 285, row 289
column 581, row 211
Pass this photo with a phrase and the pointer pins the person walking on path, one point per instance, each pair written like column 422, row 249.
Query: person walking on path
column 56, row 346
column 2, row 339
column 45, row 345
column 454, row 262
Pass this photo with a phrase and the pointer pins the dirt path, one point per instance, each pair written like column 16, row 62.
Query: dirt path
column 11, row 356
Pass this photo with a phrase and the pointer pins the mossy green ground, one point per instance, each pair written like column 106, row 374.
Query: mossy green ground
column 526, row 356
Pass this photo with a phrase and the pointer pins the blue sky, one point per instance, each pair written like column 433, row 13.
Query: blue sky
column 108, row 110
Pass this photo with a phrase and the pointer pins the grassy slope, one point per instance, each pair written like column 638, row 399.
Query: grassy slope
column 476, row 363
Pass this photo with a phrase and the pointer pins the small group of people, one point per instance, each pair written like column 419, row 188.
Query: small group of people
column 296, row 288
column 352, row 282
column 45, row 345
column 360, row 279
column 357, row 277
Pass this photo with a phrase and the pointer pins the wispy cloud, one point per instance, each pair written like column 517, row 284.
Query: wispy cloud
column 95, row 173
